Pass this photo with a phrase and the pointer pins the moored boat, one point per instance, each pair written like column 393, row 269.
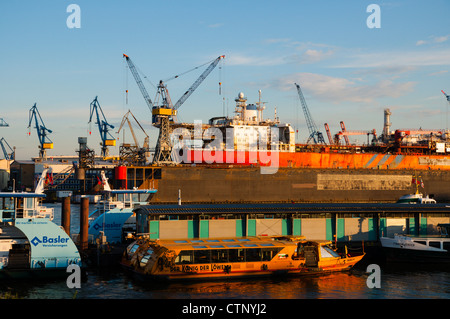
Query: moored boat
column 31, row 244
column 431, row 249
column 233, row 258
column 114, row 216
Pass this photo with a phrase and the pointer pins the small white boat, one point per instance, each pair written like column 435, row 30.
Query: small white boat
column 31, row 244
column 416, row 198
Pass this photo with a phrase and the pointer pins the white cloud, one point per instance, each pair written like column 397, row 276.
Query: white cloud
column 398, row 59
column 334, row 89
column 433, row 39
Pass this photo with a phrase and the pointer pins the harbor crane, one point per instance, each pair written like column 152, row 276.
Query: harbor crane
column 163, row 111
column 133, row 154
column 44, row 141
column 3, row 123
column 11, row 154
column 103, row 127
column 314, row 134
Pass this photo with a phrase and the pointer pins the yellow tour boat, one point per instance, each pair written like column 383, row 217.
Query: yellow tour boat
column 233, row 257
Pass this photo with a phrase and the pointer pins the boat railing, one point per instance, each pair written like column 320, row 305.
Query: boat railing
column 39, row 212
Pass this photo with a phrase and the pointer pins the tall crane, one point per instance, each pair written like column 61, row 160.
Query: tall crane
column 3, row 123
column 103, row 127
column 164, row 113
column 44, row 141
column 314, row 133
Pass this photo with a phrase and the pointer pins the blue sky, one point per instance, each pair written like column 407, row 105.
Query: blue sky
column 348, row 72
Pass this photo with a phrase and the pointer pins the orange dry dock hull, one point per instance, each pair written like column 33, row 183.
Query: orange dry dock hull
column 321, row 160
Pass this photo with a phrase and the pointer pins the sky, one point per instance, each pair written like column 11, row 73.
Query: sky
column 347, row 71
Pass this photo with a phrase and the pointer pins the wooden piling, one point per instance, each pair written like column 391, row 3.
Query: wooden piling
column 65, row 215
column 84, row 223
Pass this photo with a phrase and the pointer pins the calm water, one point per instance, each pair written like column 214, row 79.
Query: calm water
column 396, row 283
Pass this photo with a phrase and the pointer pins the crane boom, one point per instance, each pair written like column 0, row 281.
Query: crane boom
column 139, row 81
column 314, row 133
column 197, row 82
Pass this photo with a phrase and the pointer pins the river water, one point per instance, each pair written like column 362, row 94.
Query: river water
column 396, row 282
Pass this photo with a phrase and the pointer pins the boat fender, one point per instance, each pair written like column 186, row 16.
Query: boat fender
column 160, row 263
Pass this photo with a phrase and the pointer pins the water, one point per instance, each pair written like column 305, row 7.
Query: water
column 397, row 282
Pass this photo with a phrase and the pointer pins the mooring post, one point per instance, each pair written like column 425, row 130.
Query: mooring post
column 84, row 222
column 65, row 214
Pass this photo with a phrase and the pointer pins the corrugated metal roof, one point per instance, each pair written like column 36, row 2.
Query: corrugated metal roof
column 292, row 208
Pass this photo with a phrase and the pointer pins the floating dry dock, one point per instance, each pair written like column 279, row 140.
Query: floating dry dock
column 341, row 222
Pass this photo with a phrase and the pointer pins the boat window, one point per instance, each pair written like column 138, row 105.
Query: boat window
column 250, row 245
column 212, row 240
column 147, row 256
column 446, row 245
column 216, row 246
column 327, row 252
column 202, row 256
column 228, row 240
column 133, row 249
column 185, row 257
column 236, row 255
column 266, row 244
column 181, row 241
column 233, row 246
column 435, row 244
column 422, row 242
column 253, row 254
column 269, row 253
column 219, row 255
column 197, row 247
column 243, row 239
column 197, row 241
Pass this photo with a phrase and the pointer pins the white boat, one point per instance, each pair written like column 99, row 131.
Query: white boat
column 418, row 249
column 113, row 216
column 416, row 198
column 31, row 244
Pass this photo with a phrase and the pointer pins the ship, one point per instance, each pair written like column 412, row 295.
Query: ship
column 247, row 158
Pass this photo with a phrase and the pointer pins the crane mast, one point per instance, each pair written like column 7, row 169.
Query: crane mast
column 44, row 141
column 314, row 133
column 103, row 127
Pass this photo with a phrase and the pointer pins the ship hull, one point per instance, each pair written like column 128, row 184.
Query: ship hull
column 231, row 183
